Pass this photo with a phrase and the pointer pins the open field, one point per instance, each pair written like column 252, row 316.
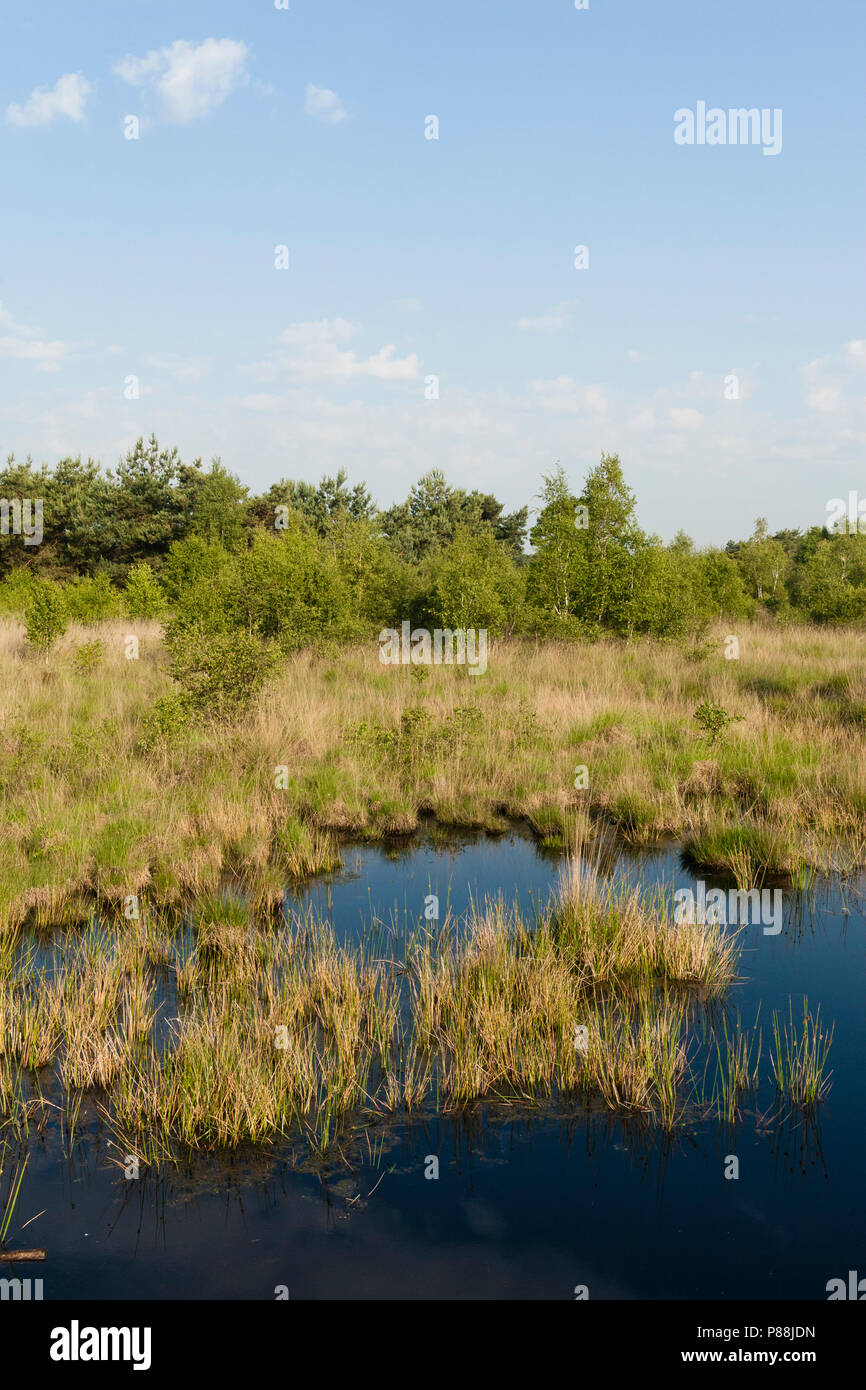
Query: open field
column 103, row 801
column 127, row 819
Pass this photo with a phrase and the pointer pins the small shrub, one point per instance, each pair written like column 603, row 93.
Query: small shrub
column 714, row 720
column 221, row 673
column 166, row 720
column 699, row 651
column 466, row 720
column 88, row 656
column 46, row 616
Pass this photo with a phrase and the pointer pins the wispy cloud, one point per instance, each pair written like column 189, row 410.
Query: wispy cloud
column 563, row 395
column 319, row 355
column 834, row 384
column 66, row 99
column 180, row 368
column 316, row 354
column 552, row 322
column 189, row 80
column 324, row 104
column 685, row 417
column 19, row 340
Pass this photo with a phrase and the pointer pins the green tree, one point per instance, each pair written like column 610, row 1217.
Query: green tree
column 474, row 583
column 833, row 585
column 610, row 541
column 428, row 520
column 147, row 511
column 764, row 564
column 720, row 582
column 556, row 572
column 215, row 504
column 143, row 597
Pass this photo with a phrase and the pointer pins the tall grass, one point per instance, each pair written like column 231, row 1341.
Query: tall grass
column 13, row 1189
column 800, row 1055
column 279, row 1030
column 94, row 809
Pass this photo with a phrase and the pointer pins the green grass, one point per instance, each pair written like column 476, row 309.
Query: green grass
column 276, row 1031
column 800, row 1056
column 100, row 802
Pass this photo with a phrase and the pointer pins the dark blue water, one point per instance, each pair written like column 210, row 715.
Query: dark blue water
column 527, row 1204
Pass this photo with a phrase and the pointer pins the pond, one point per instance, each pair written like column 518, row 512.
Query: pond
column 529, row 1202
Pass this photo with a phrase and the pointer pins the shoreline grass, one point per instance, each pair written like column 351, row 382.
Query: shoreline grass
column 240, row 1031
column 97, row 809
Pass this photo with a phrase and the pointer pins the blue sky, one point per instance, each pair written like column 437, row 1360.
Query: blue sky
column 412, row 258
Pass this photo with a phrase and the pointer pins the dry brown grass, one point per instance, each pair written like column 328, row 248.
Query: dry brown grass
column 88, row 809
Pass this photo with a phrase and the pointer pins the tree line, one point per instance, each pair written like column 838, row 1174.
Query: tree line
column 158, row 537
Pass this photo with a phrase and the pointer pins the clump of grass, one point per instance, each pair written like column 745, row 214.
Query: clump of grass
column 618, row 934
column 13, row 1190
column 640, row 1057
column 737, row 1065
column 800, row 1055
column 747, row 852
column 303, row 850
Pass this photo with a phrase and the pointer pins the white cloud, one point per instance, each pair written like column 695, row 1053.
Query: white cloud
column 189, row 80
column 827, row 399
column 596, row 399
column 562, row 394
column 408, row 306
column 180, row 368
column 324, row 104
column 26, row 344
column 684, row 418
column 551, row 322
column 318, row 331
column 746, row 460
column 66, row 98
column 834, row 384
column 318, row 355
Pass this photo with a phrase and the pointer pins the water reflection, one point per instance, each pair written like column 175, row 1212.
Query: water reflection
column 529, row 1200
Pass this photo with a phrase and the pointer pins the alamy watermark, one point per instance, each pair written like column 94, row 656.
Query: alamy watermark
column 737, row 907
column 737, row 126
column 26, row 518
column 419, row 647
column 854, row 514
column 20, row 1290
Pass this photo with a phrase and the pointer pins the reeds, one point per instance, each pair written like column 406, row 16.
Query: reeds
column 13, row 1189
column 274, row 1029
column 800, row 1055
column 737, row 1068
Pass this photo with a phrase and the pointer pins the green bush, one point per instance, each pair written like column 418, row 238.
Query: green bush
column 15, row 591
column 714, row 720
column 88, row 656
column 46, row 617
column 166, row 721
column 221, row 673
column 91, row 598
column 143, row 596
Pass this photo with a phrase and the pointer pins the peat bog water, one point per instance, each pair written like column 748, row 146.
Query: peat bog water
column 530, row 1202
